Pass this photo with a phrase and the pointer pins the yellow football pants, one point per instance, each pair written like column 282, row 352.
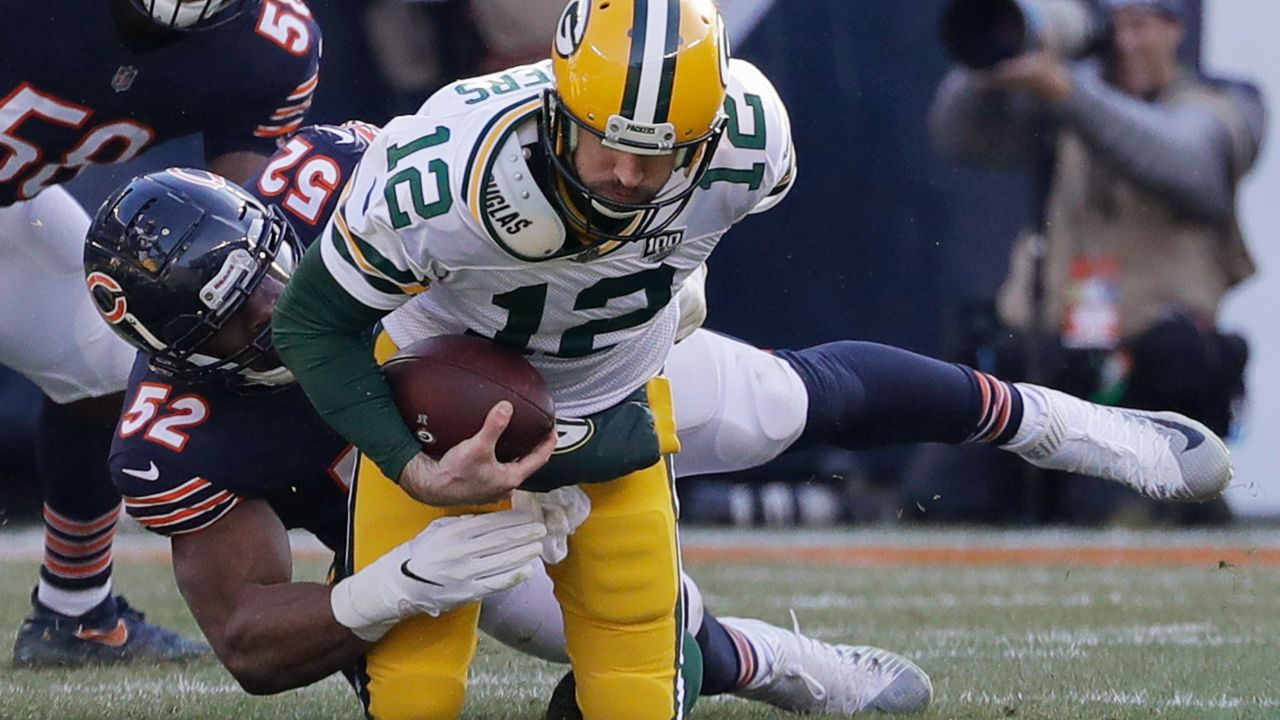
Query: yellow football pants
column 619, row 591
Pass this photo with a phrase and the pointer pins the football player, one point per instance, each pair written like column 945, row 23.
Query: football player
column 218, row 451
column 131, row 74
column 236, row 445
column 206, row 450
column 558, row 208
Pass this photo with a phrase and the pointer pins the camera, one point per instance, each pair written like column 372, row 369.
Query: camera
column 981, row 33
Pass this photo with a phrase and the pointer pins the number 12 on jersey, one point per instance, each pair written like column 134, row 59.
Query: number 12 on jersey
column 525, row 308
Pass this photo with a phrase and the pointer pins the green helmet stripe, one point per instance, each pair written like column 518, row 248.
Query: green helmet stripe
column 669, row 53
column 632, row 90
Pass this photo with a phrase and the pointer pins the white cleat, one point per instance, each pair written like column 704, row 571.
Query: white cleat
column 1163, row 455
column 809, row 675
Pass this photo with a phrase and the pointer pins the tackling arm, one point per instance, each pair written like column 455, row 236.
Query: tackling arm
column 270, row 633
column 274, row 634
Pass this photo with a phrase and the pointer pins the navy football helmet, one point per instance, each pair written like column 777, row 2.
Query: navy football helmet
column 173, row 255
column 193, row 14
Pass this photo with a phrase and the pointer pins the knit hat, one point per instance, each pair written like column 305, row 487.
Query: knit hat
column 1177, row 9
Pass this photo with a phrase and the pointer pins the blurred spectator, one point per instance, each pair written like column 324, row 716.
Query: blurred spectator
column 1139, row 242
column 515, row 31
column 421, row 45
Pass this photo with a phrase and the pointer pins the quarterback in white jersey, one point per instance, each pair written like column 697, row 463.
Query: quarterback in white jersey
column 555, row 208
column 501, row 262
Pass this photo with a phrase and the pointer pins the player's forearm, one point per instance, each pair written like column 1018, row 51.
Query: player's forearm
column 281, row 637
column 325, row 337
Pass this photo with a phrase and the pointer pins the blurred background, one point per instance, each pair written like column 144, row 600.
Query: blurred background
column 881, row 239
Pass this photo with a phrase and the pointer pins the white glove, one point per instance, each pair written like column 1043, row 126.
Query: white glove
column 562, row 511
column 454, row 561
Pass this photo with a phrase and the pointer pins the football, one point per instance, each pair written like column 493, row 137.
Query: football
column 445, row 386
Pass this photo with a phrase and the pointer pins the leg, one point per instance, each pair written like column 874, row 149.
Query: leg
column 736, row 406
column 50, row 332
column 619, row 590
column 862, row 395
column 527, row 618
column 419, row 668
column 738, row 656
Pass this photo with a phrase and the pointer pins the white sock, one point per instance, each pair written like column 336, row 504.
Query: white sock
column 755, row 657
column 71, row 602
column 1035, row 410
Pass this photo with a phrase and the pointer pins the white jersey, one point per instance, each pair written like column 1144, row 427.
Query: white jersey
column 424, row 225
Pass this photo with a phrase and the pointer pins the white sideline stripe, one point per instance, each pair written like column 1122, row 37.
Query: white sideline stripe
column 134, row 542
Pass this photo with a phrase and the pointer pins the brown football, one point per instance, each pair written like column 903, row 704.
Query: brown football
column 445, row 386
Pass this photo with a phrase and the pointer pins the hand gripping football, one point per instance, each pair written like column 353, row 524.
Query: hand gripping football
column 445, row 386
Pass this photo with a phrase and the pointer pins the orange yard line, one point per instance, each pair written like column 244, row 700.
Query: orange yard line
column 977, row 556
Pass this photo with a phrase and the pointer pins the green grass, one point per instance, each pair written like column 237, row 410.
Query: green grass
column 1083, row 644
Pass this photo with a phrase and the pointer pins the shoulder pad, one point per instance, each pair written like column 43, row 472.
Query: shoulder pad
column 515, row 212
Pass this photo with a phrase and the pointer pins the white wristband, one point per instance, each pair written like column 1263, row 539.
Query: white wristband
column 343, row 604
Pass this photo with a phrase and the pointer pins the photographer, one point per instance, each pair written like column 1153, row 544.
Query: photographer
column 1138, row 242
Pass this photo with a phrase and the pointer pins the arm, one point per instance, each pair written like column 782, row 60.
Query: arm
column 1185, row 152
column 360, row 269
column 972, row 122
column 270, row 633
column 1190, row 152
column 281, row 74
column 273, row 634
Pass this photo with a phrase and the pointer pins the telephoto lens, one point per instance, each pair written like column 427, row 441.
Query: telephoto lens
column 981, row 33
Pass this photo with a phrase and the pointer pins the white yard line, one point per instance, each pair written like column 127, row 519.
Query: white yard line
column 1118, row 698
column 132, row 542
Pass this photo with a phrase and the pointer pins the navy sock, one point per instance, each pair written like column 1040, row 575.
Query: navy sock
column 864, row 395
column 81, row 504
column 721, row 670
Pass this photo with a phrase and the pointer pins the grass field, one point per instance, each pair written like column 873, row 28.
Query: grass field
column 1046, row 625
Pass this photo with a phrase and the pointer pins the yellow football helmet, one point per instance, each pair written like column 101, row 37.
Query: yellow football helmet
column 647, row 77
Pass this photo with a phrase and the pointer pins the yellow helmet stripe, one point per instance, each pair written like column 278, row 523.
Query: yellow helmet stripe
column 655, row 38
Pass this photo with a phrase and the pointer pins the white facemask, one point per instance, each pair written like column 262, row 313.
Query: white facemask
column 183, row 13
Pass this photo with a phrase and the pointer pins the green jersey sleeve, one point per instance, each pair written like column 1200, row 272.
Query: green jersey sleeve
column 370, row 259
column 325, row 336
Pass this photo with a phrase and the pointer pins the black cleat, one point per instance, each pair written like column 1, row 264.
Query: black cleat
column 564, row 700
column 112, row 632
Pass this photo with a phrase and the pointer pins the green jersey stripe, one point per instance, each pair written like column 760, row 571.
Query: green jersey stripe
column 384, row 291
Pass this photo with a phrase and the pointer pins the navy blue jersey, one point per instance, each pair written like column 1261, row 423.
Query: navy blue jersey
column 72, row 92
column 306, row 176
column 185, row 454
